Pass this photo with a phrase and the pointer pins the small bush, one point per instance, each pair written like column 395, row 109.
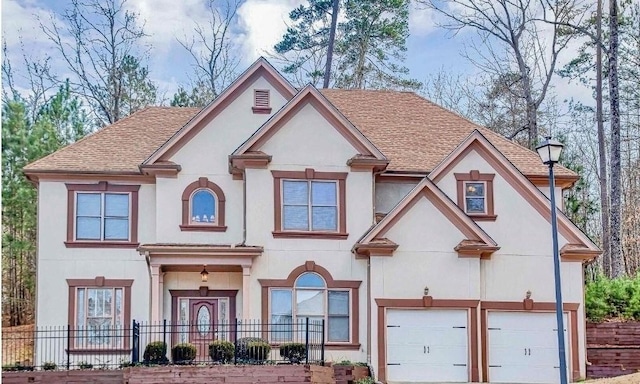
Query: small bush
column 183, row 353
column 252, row 349
column 351, row 363
column 18, row 366
column 294, row 352
column 613, row 298
column 155, row 353
column 366, row 380
column 221, row 351
column 85, row 365
column 49, row 366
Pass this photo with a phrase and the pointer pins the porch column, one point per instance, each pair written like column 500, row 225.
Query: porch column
column 246, row 294
column 155, row 293
column 161, row 296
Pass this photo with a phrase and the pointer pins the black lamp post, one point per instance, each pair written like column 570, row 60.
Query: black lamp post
column 549, row 151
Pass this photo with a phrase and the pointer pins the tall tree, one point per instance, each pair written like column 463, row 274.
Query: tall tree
column 331, row 43
column 99, row 40
column 215, row 60
column 512, row 41
column 617, row 261
column 370, row 44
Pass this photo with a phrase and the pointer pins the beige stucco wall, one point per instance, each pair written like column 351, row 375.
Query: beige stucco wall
column 389, row 194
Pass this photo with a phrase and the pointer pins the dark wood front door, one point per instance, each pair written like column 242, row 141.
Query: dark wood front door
column 203, row 317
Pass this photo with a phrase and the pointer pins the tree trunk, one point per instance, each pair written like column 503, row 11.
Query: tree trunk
column 617, row 261
column 332, row 38
column 602, row 156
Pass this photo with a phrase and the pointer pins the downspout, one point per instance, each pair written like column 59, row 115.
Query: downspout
column 244, row 208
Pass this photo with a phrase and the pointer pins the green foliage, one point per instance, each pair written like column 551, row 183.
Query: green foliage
column 221, row 351
column 200, row 96
column 183, row 353
column 369, row 49
column 49, row 366
column 366, row 380
column 351, row 363
column 252, row 349
column 613, row 298
column 18, row 366
column 294, row 352
column 85, row 365
column 155, row 353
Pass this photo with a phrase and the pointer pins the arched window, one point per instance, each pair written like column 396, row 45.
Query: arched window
column 311, row 293
column 203, row 207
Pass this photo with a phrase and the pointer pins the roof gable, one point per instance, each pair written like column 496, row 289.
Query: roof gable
column 474, row 236
column 477, row 142
column 310, row 95
column 260, row 67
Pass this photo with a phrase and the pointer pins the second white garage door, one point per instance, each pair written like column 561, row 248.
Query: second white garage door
column 523, row 347
column 427, row 345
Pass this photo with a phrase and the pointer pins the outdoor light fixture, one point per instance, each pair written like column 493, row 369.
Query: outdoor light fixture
column 426, row 291
column 204, row 274
column 549, row 152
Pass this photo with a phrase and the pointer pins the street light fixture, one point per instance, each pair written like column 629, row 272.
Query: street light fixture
column 549, row 152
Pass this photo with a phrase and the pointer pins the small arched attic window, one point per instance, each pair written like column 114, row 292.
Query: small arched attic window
column 203, row 207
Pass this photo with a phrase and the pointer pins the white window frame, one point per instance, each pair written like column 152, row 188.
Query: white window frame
column 309, row 204
column 81, row 337
column 483, row 197
column 102, row 215
column 216, row 210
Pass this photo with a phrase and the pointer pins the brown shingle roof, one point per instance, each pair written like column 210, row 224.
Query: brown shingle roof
column 416, row 134
column 412, row 132
column 120, row 147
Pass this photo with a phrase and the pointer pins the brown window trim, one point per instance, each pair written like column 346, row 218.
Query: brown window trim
column 102, row 186
column 261, row 109
column 310, row 174
column 311, row 266
column 487, row 178
column 100, row 282
column 203, row 183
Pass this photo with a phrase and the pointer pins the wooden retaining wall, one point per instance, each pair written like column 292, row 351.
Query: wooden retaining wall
column 64, row 377
column 613, row 349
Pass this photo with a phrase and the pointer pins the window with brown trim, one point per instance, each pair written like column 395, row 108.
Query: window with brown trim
column 203, row 207
column 475, row 194
column 102, row 215
column 99, row 314
column 310, row 292
column 261, row 101
column 310, row 204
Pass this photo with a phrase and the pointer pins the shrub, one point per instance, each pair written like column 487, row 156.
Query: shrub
column 155, row 353
column 18, row 366
column 366, row 380
column 221, row 351
column 85, row 365
column 613, row 298
column 183, row 353
column 49, row 366
column 294, row 352
column 252, row 349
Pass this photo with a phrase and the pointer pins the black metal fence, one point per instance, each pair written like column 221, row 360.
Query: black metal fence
column 238, row 342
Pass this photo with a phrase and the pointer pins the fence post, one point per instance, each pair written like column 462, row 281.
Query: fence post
column 322, row 344
column 164, row 332
column 68, row 345
column 135, row 342
column 235, row 342
column 306, row 342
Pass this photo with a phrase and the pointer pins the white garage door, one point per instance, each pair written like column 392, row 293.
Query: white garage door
column 523, row 347
column 427, row 345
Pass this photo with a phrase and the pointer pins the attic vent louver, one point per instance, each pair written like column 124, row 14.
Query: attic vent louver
column 261, row 101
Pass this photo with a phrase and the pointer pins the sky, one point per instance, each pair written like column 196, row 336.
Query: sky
column 260, row 25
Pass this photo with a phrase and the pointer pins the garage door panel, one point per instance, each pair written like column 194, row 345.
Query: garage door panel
column 427, row 346
column 522, row 347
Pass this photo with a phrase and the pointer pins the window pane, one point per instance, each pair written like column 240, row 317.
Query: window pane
column 295, row 192
column 118, row 308
column 116, row 229
column 88, row 204
column 203, row 207
column 91, row 302
column 116, row 205
column 339, row 303
column 295, row 217
column 99, row 303
column 323, row 193
column 338, row 328
column 88, row 228
column 324, row 218
column 310, row 280
column 475, row 204
column 281, row 302
column 108, row 302
column 80, row 313
column 309, row 302
column 474, row 189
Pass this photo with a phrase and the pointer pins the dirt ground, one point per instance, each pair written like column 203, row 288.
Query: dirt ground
column 633, row 378
column 14, row 347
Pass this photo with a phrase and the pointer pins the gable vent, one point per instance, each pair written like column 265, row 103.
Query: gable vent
column 261, row 101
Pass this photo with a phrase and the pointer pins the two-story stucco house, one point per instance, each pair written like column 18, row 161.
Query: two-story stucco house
column 422, row 240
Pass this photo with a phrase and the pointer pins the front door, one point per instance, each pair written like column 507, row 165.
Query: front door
column 203, row 319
